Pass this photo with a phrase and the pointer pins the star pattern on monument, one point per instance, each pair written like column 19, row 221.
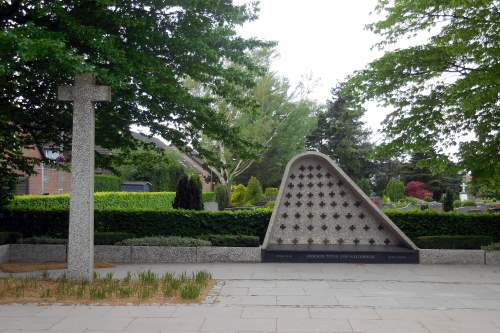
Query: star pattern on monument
column 318, row 214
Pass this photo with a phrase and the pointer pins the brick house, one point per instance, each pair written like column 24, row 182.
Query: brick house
column 46, row 179
column 50, row 180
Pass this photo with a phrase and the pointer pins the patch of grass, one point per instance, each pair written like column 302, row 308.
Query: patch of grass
column 144, row 287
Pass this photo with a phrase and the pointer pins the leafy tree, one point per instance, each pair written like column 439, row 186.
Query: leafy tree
column 276, row 108
column 395, row 190
column 443, row 88
column 253, row 193
column 161, row 168
column 417, row 189
column 436, row 182
column 383, row 171
column 340, row 134
column 143, row 49
column 288, row 142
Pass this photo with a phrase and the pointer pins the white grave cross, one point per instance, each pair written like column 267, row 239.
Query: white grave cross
column 81, row 214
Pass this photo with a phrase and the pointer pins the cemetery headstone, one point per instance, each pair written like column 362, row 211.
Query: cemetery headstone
column 83, row 94
column 321, row 215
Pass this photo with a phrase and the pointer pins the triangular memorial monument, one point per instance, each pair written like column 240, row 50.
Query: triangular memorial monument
column 321, row 215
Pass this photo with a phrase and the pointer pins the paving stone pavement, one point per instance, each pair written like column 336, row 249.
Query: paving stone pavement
column 295, row 298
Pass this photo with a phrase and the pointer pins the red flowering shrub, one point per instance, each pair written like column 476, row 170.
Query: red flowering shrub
column 417, row 189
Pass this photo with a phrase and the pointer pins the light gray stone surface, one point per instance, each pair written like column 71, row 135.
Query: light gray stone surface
column 457, row 257
column 334, row 298
column 162, row 254
column 4, row 253
column 81, row 217
column 211, row 206
column 113, row 253
column 319, row 204
column 492, row 258
column 37, row 253
column 210, row 254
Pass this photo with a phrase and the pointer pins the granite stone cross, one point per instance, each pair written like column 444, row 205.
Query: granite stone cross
column 81, row 214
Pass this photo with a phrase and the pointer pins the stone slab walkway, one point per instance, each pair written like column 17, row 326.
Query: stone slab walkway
column 296, row 298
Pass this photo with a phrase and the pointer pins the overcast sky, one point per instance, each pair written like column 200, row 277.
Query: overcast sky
column 325, row 38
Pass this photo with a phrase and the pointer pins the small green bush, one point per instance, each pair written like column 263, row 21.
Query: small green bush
column 253, row 193
column 165, row 241
column 412, row 200
column 468, row 203
column 110, row 238
column 9, row 237
column 107, row 183
column 43, row 240
column 222, row 195
column 457, row 203
column 238, row 195
column 232, row 240
column 428, row 198
column 395, row 189
column 491, row 247
column 453, row 242
column 271, row 191
column 270, row 204
column 448, row 202
column 188, row 194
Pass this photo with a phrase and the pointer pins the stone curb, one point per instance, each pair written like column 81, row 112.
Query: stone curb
column 207, row 254
column 4, row 253
column 452, row 257
column 133, row 254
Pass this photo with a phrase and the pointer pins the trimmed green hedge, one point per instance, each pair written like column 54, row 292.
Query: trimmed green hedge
column 103, row 200
column 107, row 183
column 418, row 223
column 142, row 223
column 453, row 242
column 188, row 223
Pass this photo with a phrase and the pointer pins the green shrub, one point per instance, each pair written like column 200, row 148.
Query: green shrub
column 270, row 204
column 271, row 191
column 222, row 194
column 448, row 202
column 238, row 195
column 395, row 190
column 428, row 198
column 107, row 183
column 412, row 200
column 253, row 193
column 165, row 241
column 43, row 240
column 453, row 242
column 110, row 238
column 468, row 203
column 9, row 237
column 457, row 203
column 232, row 240
column 188, row 194
column 491, row 247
